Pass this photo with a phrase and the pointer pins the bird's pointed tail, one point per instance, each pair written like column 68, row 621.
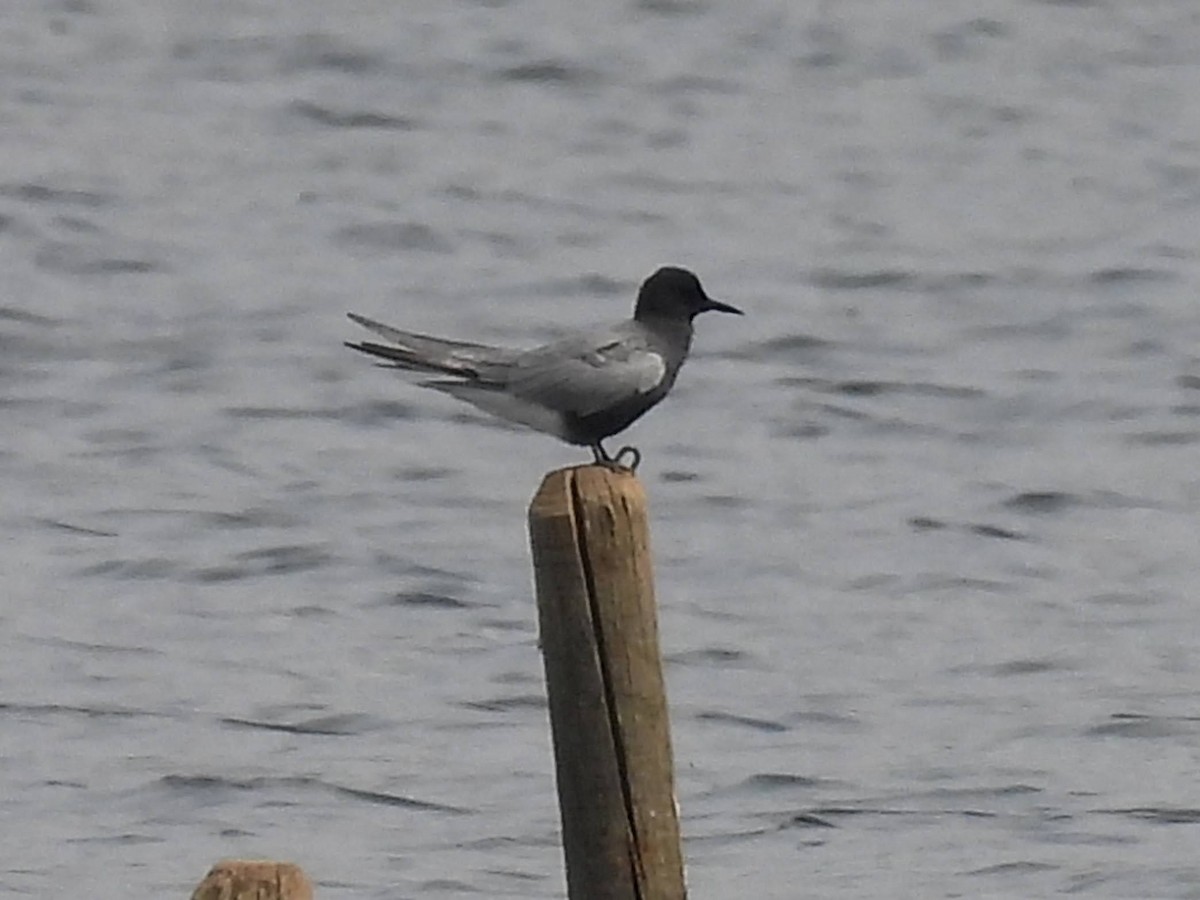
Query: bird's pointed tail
column 425, row 353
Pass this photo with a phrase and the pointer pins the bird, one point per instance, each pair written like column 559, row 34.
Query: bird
column 583, row 388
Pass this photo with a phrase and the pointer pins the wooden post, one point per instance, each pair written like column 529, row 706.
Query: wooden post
column 608, row 709
column 254, row 879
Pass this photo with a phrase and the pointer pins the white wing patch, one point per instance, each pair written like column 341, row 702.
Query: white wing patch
column 639, row 369
column 651, row 371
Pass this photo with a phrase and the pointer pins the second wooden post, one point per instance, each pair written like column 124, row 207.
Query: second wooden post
column 608, row 709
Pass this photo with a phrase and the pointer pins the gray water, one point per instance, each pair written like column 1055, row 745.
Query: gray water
column 924, row 522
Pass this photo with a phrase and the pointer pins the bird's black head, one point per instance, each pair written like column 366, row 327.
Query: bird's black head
column 672, row 293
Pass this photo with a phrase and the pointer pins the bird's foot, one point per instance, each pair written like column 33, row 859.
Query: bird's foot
column 635, row 458
column 617, row 463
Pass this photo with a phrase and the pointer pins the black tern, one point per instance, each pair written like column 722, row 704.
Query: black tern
column 581, row 389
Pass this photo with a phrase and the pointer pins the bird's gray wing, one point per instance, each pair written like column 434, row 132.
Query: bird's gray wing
column 586, row 375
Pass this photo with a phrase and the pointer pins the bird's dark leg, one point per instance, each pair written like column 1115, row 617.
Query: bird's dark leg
column 635, row 457
column 615, row 462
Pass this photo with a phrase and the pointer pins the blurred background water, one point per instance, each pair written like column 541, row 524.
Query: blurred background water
column 924, row 521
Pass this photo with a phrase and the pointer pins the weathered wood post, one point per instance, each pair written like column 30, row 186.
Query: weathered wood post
column 254, row 879
column 608, row 709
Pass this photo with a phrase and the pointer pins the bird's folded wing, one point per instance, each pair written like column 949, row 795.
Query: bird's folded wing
column 588, row 380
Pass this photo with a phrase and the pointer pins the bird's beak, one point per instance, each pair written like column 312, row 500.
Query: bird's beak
column 711, row 305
